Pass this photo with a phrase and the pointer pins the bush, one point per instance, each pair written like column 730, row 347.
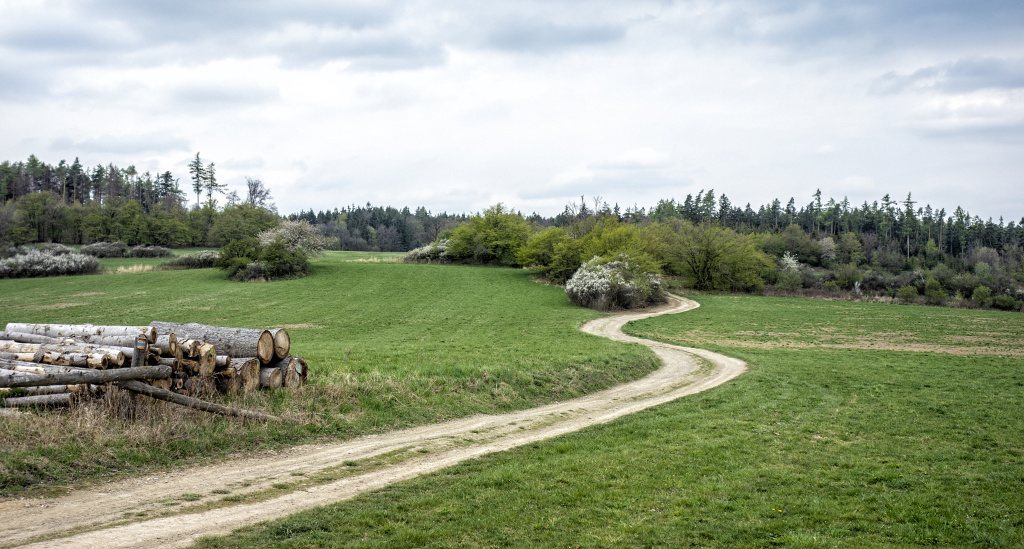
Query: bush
column 907, row 294
column 280, row 261
column 104, row 250
column 846, row 276
column 247, row 260
column 1005, row 302
column 296, row 235
column 604, row 285
column 982, row 296
column 198, row 260
column 789, row 280
column 55, row 249
column 150, row 251
column 495, row 237
column 31, row 262
column 435, row 252
column 237, row 254
column 875, row 281
column 934, row 293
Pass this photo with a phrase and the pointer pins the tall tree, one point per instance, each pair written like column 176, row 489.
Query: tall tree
column 211, row 185
column 197, row 170
column 258, row 195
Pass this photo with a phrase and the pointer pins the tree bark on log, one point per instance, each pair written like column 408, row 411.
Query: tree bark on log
column 270, row 377
column 13, row 365
column 23, row 379
column 234, row 342
column 44, row 390
column 223, row 362
column 60, row 399
column 74, row 330
column 282, row 342
column 10, row 412
column 116, row 354
column 96, row 361
column 142, row 388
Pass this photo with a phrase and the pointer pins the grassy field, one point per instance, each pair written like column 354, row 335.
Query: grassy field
column 389, row 345
column 858, row 425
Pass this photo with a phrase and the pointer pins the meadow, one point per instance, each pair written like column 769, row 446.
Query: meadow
column 857, row 425
column 389, row 345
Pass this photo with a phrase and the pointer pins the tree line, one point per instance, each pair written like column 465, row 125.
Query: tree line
column 66, row 203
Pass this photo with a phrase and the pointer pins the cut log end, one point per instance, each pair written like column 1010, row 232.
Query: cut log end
column 282, row 342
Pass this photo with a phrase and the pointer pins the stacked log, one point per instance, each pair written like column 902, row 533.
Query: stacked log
column 202, row 360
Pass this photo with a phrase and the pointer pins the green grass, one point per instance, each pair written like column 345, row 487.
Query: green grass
column 815, row 446
column 389, row 345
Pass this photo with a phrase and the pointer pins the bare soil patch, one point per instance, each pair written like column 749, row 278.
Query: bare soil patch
column 173, row 508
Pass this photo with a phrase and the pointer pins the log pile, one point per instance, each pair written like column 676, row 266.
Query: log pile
column 193, row 360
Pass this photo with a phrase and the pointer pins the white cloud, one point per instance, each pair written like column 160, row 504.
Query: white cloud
column 533, row 103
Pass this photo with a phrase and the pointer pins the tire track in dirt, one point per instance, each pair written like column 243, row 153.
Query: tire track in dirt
column 100, row 512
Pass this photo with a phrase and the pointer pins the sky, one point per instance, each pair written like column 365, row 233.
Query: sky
column 459, row 105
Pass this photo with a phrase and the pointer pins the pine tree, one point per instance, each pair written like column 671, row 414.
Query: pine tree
column 198, row 172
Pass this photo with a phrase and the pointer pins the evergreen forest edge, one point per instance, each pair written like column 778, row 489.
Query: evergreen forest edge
column 888, row 248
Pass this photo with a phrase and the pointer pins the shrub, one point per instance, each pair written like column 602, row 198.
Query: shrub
column 789, row 280
column 55, row 249
column 435, row 252
column 296, row 235
column 237, row 254
column 1005, row 302
column 150, row 251
column 846, row 276
column 809, row 279
column 246, row 260
column 907, row 294
column 934, row 293
column 603, row 285
column 105, row 249
column 198, row 260
column 789, row 262
column 31, row 262
column 982, row 296
column 280, row 261
column 252, row 272
column 495, row 237
column 875, row 281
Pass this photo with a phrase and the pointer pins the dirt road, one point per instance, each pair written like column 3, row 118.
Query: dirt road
column 96, row 517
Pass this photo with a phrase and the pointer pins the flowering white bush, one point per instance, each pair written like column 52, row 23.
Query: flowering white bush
column 435, row 252
column 105, row 249
column 604, row 285
column 204, row 259
column 296, row 235
column 30, row 262
column 789, row 262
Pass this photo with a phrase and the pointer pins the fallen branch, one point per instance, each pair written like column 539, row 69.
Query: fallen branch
column 23, row 379
column 161, row 394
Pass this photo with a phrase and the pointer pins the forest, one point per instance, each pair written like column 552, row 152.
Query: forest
column 826, row 243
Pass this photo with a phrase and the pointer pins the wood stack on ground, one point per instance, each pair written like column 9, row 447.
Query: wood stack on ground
column 198, row 360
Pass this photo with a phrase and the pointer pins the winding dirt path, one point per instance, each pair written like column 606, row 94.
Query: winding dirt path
column 96, row 517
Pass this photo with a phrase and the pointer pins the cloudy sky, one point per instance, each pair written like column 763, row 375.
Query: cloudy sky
column 459, row 105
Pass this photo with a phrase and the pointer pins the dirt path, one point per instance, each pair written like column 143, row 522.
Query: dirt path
column 100, row 513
